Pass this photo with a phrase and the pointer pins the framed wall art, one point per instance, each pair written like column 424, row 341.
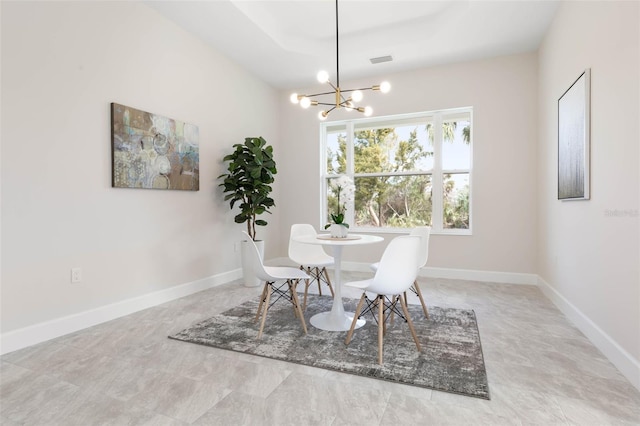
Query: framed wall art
column 574, row 139
column 152, row 151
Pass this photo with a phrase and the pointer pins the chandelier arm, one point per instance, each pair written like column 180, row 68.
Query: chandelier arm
column 320, row 94
column 353, row 90
column 332, row 93
column 327, row 112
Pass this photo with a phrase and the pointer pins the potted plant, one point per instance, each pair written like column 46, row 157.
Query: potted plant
column 248, row 183
column 344, row 188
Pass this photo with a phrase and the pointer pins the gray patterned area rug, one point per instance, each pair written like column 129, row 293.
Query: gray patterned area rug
column 451, row 359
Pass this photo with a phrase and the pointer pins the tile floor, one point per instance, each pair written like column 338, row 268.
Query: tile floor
column 541, row 371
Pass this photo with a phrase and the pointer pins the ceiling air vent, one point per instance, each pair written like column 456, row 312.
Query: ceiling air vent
column 381, row 59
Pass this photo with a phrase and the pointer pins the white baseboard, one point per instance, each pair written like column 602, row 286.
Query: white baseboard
column 485, row 276
column 27, row 336
column 624, row 361
column 459, row 274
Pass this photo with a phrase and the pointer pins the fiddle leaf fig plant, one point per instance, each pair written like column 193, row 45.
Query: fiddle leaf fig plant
column 248, row 181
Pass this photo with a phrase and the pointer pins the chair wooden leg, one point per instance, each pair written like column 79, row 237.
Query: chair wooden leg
column 326, row 274
column 384, row 323
column 296, row 303
column 266, row 308
column 419, row 293
column 406, row 299
column 380, row 327
column 307, row 283
column 316, row 276
column 262, row 296
column 413, row 330
column 294, row 283
column 394, row 301
column 355, row 320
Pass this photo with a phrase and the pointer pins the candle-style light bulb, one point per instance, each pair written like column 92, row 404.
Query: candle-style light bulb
column 323, row 76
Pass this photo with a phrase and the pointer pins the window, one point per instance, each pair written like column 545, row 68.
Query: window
column 407, row 170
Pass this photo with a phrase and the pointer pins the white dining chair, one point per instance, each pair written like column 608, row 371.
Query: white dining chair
column 275, row 279
column 423, row 232
column 396, row 272
column 311, row 258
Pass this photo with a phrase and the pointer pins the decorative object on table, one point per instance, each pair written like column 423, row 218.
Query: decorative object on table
column 349, row 237
column 339, row 100
column 311, row 258
column 339, row 230
column 451, row 359
column 251, row 168
column 344, row 189
column 153, row 152
column 574, row 139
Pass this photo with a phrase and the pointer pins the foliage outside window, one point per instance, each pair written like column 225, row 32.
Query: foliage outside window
column 408, row 170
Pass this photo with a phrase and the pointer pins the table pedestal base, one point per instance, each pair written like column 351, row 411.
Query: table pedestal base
column 328, row 322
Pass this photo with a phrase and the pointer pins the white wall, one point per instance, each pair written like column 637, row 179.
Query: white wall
column 63, row 63
column 503, row 93
column 589, row 260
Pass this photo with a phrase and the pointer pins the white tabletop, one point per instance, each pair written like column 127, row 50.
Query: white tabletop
column 351, row 240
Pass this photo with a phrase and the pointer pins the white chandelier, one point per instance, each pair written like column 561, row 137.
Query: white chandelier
column 348, row 103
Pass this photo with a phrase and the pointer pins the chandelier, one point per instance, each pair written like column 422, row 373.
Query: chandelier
column 340, row 101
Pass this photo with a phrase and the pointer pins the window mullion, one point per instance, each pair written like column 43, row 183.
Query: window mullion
column 350, row 171
column 323, row 174
column 350, row 166
column 436, row 178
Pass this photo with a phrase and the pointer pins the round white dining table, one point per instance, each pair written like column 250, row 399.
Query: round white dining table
column 337, row 319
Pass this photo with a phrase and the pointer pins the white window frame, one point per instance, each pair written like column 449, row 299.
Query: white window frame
column 437, row 173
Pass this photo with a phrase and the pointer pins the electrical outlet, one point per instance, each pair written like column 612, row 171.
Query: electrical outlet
column 236, row 246
column 76, row 275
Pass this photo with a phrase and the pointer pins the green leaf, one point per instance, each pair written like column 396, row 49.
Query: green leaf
column 251, row 167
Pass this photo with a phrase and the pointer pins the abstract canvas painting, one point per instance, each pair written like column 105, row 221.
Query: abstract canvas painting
column 574, row 140
column 152, row 151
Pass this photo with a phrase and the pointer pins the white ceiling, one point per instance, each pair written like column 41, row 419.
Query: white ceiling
column 286, row 43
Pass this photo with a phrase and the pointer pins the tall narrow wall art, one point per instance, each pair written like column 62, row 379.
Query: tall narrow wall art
column 574, row 140
column 153, row 152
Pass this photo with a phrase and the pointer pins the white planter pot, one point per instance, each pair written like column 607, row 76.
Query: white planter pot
column 338, row 231
column 249, row 278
